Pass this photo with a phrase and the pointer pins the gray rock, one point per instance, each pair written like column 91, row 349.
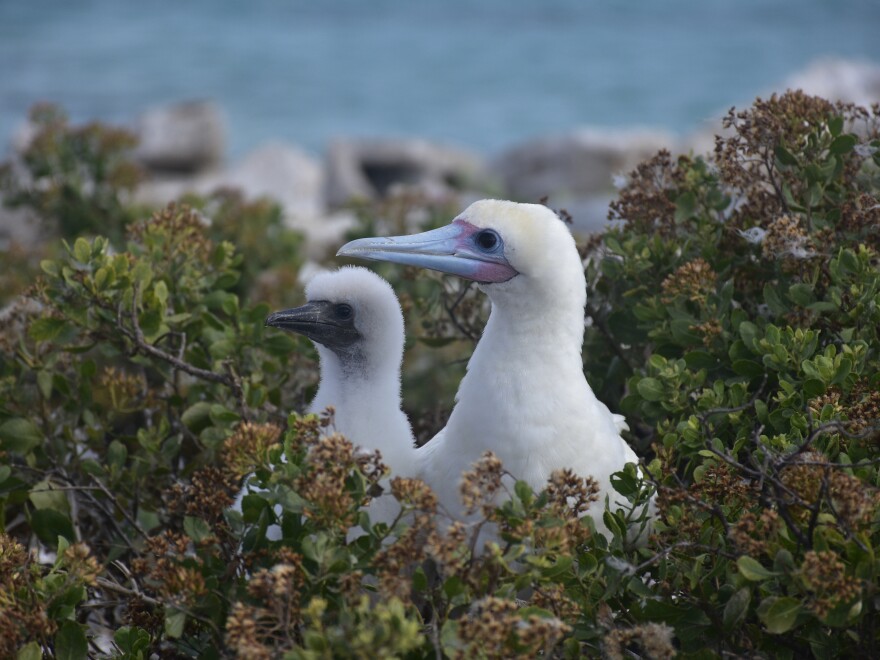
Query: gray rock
column 282, row 172
column 369, row 169
column 183, row 137
column 277, row 170
column 579, row 164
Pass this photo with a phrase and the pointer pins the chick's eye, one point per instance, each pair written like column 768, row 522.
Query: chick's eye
column 487, row 239
column 344, row 312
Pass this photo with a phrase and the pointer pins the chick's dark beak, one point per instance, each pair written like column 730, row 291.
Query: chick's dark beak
column 317, row 321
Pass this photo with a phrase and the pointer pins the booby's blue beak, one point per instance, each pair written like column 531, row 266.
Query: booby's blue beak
column 459, row 249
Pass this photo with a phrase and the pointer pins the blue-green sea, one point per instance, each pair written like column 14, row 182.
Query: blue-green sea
column 483, row 74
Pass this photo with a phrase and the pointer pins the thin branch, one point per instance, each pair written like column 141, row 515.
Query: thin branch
column 450, row 311
column 230, row 379
column 110, row 585
column 131, row 521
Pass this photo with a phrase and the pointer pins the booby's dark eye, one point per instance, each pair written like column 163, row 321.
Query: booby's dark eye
column 343, row 312
column 488, row 240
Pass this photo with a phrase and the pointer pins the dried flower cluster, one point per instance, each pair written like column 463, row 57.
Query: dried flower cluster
column 552, row 597
column 494, row 628
column 415, row 493
column 569, row 497
column 211, row 491
column 864, row 413
column 710, row 331
column 480, row 485
column 654, row 640
column 23, row 616
column 746, row 158
column 753, row 535
column 171, row 567
column 184, row 225
column 81, row 564
column 784, row 237
column 645, row 204
column 856, row 504
column 861, row 217
column 330, row 461
column 825, row 575
column 249, row 445
column 271, row 625
column 694, row 280
column 394, row 563
column 450, row 548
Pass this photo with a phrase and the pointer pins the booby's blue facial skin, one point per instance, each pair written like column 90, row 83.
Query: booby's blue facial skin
column 459, row 248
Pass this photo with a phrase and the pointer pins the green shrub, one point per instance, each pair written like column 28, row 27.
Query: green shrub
column 736, row 312
column 77, row 178
column 733, row 315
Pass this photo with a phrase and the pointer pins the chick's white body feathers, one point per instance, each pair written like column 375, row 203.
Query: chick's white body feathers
column 363, row 386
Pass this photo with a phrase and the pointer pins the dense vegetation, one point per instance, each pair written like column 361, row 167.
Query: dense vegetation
column 733, row 316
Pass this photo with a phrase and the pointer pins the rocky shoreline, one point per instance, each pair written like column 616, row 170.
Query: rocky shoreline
column 183, row 146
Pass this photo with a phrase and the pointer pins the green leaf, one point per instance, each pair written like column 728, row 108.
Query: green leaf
column 174, row 622
column 651, row 389
column 523, row 491
column 44, row 496
column 71, row 642
column 813, row 387
column 46, row 328
column 196, row 528
column 44, row 382
column 19, row 436
column 685, row 206
column 784, row 156
column 50, row 267
column 843, row 370
column 696, row 360
column 779, row 614
column 752, row 570
column 774, row 300
column 843, row 144
column 197, row 416
column 835, row 125
column 748, row 368
column 749, row 333
column 117, row 454
column 252, row 506
column 161, row 292
column 822, row 306
column 132, row 641
column 801, row 294
column 30, row 651
column 82, row 251
column 736, row 608
column 49, row 524
column 222, row 416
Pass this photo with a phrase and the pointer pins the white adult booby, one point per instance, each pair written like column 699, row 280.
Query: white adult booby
column 353, row 318
column 524, row 396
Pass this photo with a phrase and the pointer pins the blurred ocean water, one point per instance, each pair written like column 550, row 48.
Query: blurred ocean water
column 483, row 74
